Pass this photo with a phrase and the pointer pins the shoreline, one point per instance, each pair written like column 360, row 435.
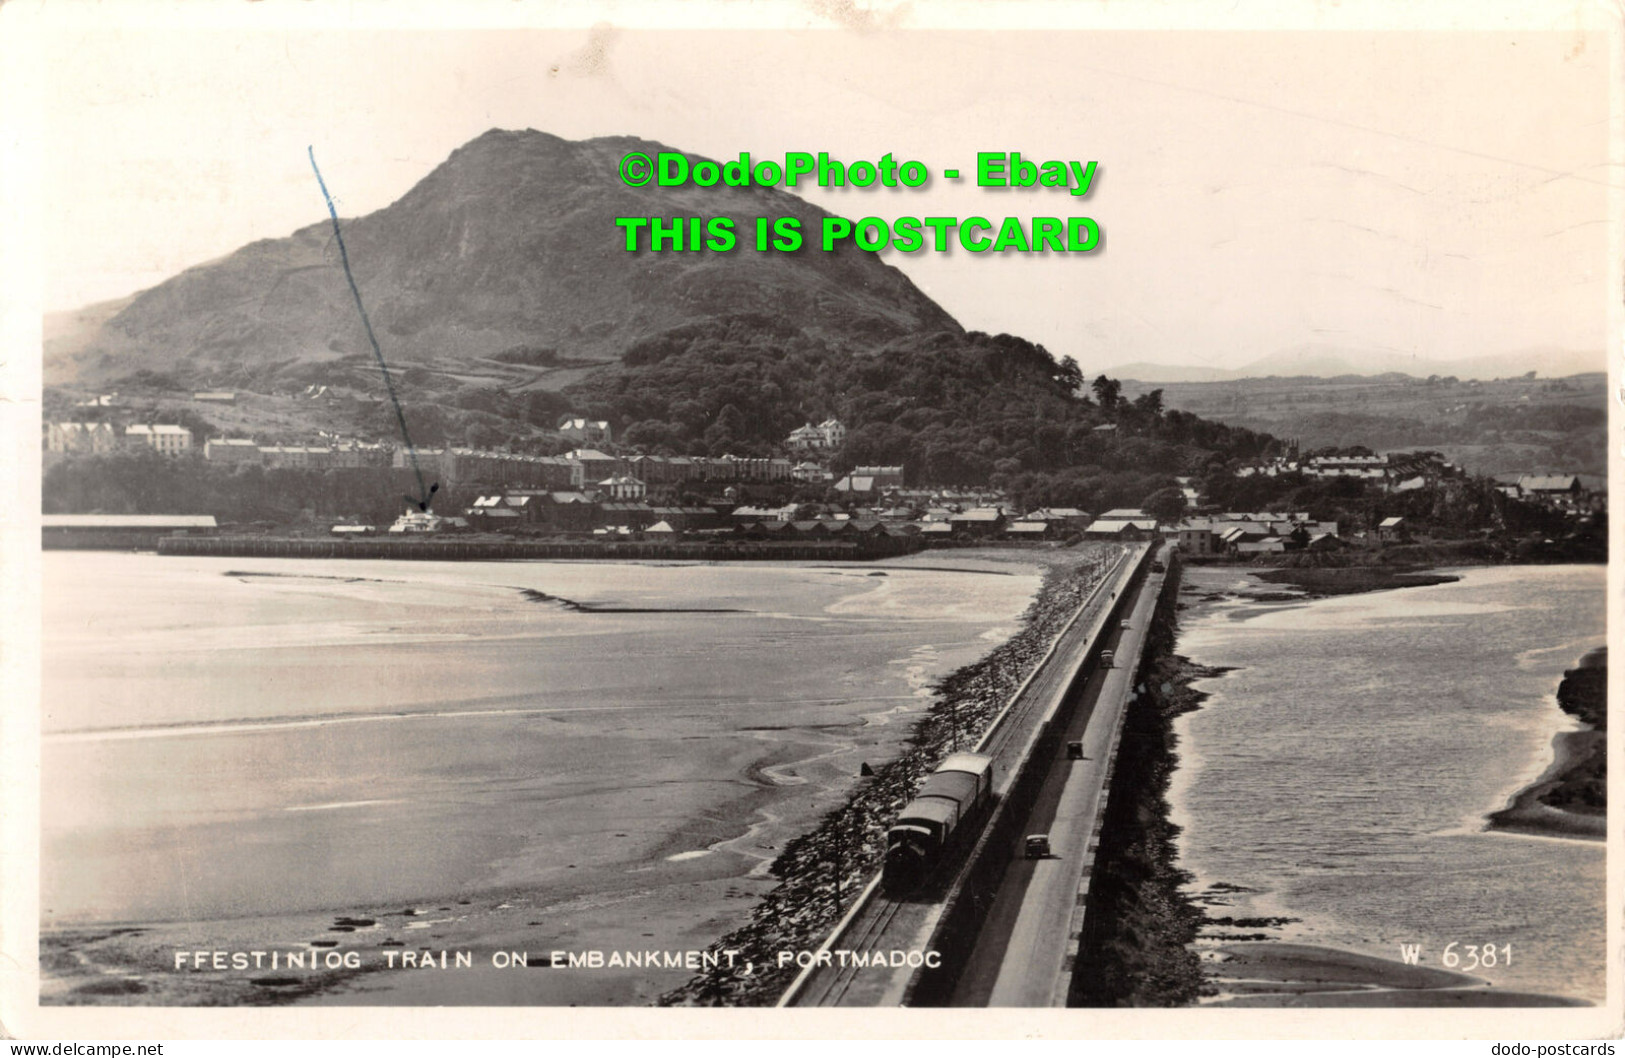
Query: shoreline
column 1578, row 772
column 1140, row 924
column 702, row 880
column 804, row 905
column 1527, row 810
column 1527, row 813
column 1275, row 974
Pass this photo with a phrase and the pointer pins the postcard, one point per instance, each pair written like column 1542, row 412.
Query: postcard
column 1056, row 520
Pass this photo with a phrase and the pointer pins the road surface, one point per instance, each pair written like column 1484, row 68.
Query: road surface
column 1023, row 957
column 882, row 923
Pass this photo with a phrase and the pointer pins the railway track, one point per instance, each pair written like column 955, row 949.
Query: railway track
column 874, row 916
column 875, row 920
column 997, row 740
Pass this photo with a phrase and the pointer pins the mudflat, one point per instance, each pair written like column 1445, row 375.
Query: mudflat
column 357, row 762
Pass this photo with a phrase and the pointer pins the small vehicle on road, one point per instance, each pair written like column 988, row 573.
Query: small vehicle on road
column 1106, row 659
column 1074, row 751
column 1038, row 846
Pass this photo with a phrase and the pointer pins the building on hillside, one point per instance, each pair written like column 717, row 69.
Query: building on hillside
column 295, row 457
column 978, row 521
column 92, row 437
column 232, row 450
column 1133, row 514
column 806, row 438
column 747, row 515
column 809, row 473
column 622, row 488
column 567, row 512
column 1061, row 517
column 654, row 471
column 884, row 477
column 1321, row 463
column 525, row 505
column 1028, row 531
column 1325, row 542
column 357, row 454
column 1121, row 529
column 871, row 479
column 1196, row 538
column 1392, row 529
column 589, row 466
column 585, row 431
column 1550, row 486
column 753, row 468
column 827, row 435
column 168, row 439
column 630, row 516
column 413, row 522
column 690, row 519
column 489, row 513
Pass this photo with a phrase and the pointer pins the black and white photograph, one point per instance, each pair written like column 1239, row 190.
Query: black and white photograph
column 1086, row 518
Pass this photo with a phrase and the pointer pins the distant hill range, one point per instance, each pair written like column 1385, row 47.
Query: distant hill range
column 1510, row 425
column 505, row 256
column 1319, row 361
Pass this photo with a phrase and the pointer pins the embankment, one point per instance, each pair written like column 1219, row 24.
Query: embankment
column 1138, row 927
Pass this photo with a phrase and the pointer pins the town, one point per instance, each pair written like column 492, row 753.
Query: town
column 603, row 490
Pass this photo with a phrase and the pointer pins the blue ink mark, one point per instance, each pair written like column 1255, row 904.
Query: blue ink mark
column 426, row 493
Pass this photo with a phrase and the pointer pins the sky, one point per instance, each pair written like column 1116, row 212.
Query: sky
column 1435, row 193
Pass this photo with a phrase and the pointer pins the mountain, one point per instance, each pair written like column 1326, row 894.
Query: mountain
column 504, row 299
column 507, row 250
column 1321, row 361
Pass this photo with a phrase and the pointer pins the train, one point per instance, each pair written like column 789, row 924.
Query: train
column 952, row 796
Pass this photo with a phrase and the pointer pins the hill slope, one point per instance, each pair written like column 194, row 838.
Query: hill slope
column 510, row 245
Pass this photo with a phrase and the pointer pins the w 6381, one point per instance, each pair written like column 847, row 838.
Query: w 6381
column 1473, row 956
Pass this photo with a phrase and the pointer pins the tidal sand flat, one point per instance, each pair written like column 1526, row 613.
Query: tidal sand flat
column 1334, row 788
column 321, row 756
column 1301, row 975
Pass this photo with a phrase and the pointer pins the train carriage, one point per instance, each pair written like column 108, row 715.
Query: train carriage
column 952, row 796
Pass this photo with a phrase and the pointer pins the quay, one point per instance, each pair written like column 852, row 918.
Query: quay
column 489, row 550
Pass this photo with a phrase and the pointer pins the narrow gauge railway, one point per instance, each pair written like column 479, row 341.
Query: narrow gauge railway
column 879, row 919
column 950, row 804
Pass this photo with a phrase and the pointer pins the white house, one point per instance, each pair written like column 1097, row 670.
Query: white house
column 622, row 488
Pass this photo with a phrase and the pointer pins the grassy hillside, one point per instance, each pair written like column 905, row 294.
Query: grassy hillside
column 1505, row 426
column 503, row 267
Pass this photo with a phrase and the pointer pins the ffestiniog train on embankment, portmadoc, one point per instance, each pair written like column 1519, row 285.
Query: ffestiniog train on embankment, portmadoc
column 953, row 795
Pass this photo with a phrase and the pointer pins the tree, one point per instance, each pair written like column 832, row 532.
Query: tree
column 1150, row 403
column 1108, row 391
column 1070, row 375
